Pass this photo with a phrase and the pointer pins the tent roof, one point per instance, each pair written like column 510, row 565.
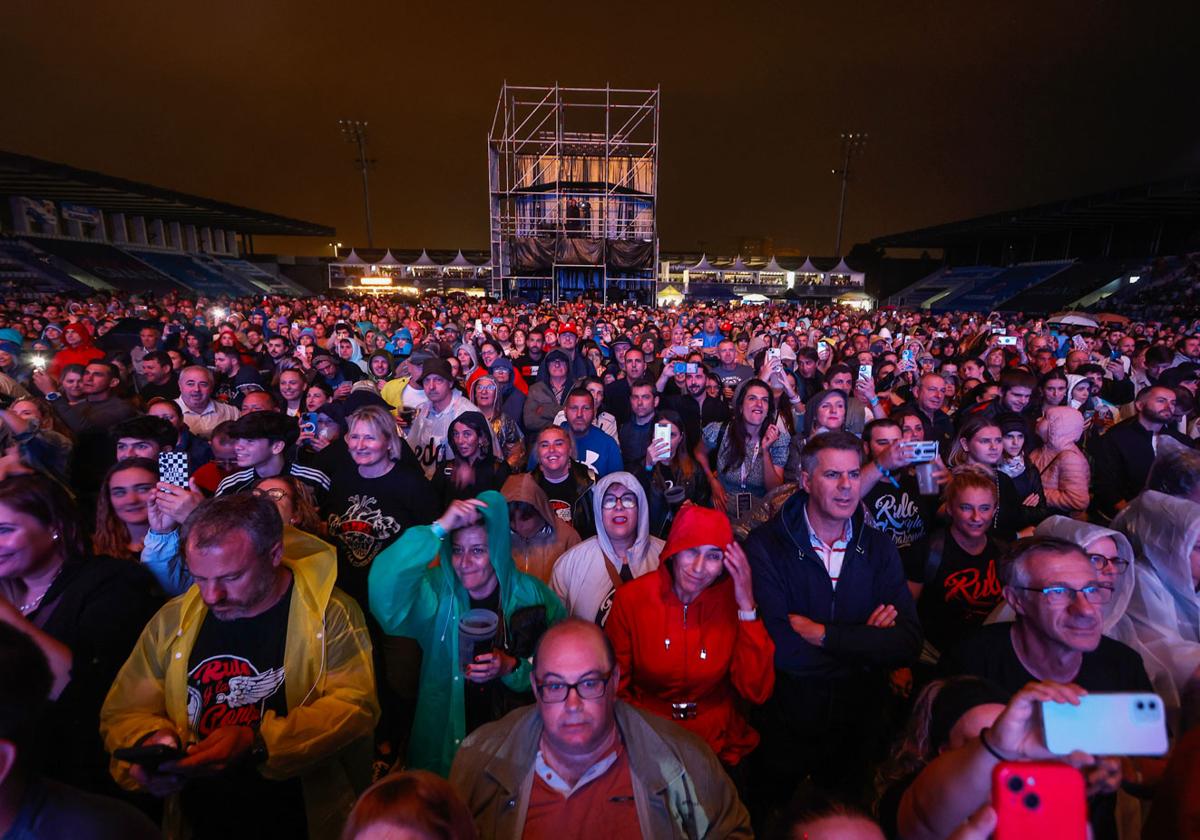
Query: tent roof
column 352, row 259
column 703, row 265
column 808, row 267
column 423, row 261
column 739, row 265
column 459, row 261
column 388, row 259
column 773, row 267
column 842, row 268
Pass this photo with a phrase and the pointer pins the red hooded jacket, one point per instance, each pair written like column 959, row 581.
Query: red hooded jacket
column 701, row 654
column 80, row 354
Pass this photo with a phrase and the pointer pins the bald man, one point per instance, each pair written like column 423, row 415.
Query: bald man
column 583, row 764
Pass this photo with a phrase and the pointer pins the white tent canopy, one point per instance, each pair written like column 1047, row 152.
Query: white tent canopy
column 459, row 261
column 808, row 267
column 352, row 259
column 739, row 266
column 773, row 267
column 703, row 266
column 423, row 261
column 387, row 260
column 842, row 268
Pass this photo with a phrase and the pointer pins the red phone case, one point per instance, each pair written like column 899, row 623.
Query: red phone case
column 1038, row 799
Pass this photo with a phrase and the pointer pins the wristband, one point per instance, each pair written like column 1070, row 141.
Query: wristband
column 987, row 746
column 438, row 530
column 874, row 401
column 748, row 615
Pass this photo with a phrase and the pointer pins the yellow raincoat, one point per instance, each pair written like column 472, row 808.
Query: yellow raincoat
column 325, row 739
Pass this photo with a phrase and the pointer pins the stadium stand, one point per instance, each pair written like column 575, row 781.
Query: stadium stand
column 942, row 283
column 111, row 266
column 26, row 269
column 993, row 295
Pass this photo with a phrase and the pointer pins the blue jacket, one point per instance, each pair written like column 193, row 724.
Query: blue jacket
column 789, row 577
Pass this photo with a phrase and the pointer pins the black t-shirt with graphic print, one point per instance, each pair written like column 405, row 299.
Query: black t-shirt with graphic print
column 366, row 515
column 905, row 515
column 962, row 594
column 235, row 675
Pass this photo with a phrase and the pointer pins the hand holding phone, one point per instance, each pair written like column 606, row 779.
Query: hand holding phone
column 1120, row 723
column 149, row 756
column 1038, row 799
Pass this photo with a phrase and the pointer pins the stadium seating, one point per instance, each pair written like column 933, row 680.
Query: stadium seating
column 24, row 268
column 992, row 294
column 112, row 266
column 193, row 274
column 946, row 281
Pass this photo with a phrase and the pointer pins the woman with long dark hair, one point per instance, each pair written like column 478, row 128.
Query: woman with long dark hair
column 671, row 476
column 474, row 467
column 122, row 518
column 745, row 456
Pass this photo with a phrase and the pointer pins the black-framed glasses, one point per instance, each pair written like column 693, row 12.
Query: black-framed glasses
column 588, row 688
column 628, row 501
column 1059, row 594
column 1099, row 561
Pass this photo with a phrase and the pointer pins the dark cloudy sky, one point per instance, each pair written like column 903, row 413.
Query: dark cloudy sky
column 971, row 107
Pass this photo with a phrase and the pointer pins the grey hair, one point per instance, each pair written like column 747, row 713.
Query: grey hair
column 1014, row 568
column 213, row 520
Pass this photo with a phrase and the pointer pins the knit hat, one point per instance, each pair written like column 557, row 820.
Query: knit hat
column 695, row 526
column 1010, row 421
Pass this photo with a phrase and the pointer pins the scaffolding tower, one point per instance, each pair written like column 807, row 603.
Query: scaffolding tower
column 573, row 193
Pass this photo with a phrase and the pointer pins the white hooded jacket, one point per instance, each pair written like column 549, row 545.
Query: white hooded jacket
column 581, row 577
column 1165, row 608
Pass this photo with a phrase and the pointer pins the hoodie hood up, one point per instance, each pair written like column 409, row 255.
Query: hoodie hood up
column 1162, row 530
column 1061, row 427
column 642, row 542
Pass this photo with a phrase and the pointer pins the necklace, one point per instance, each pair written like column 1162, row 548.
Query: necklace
column 30, row 606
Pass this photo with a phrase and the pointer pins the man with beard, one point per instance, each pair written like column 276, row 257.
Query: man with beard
column 530, row 362
column 1122, row 456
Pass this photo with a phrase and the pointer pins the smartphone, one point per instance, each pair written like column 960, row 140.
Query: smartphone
column 497, row 320
column 308, row 422
column 479, row 326
column 149, row 756
column 692, row 367
column 772, row 354
column 680, row 367
column 1132, row 723
column 173, row 468
column 1006, row 341
column 1079, row 341
column 907, row 355
column 662, row 431
column 1038, row 799
column 864, row 372
column 920, row 451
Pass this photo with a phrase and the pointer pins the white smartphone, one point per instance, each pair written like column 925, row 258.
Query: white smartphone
column 920, row 451
column 1131, row 723
column 772, row 354
column 662, row 431
column 864, row 372
column 1006, row 341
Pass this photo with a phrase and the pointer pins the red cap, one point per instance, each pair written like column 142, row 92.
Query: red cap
column 695, row 526
column 569, row 327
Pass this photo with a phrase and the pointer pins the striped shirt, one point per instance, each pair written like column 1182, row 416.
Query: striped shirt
column 832, row 556
column 241, row 480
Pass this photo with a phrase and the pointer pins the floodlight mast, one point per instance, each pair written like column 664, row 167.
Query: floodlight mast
column 355, row 131
column 852, row 143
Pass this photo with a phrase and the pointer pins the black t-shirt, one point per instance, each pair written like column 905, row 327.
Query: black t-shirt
column 962, row 594
column 989, row 653
column 167, row 391
column 235, row 675
column 904, row 515
column 366, row 515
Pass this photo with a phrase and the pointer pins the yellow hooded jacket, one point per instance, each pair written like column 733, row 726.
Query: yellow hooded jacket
column 325, row 738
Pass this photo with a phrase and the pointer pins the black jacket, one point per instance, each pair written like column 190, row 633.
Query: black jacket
column 789, row 577
column 1121, row 459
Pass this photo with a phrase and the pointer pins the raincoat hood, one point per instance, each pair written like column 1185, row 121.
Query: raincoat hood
column 543, row 374
column 1084, row 534
column 1162, row 530
column 466, row 345
column 495, row 521
column 642, row 542
column 1060, row 427
column 523, row 488
column 1074, row 379
column 85, row 337
column 391, row 362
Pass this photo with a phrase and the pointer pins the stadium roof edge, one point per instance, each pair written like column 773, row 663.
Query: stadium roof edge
column 22, row 175
column 1156, row 201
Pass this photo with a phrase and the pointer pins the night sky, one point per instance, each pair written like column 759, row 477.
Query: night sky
column 971, row 107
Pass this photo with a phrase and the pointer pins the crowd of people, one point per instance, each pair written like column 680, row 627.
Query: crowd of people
column 321, row 567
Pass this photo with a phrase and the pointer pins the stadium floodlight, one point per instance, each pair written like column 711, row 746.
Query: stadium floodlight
column 355, row 131
column 852, row 143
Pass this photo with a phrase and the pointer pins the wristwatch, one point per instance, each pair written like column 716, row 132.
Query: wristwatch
column 748, row 615
column 52, row 396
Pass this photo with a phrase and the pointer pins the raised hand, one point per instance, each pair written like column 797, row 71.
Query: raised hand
column 739, row 572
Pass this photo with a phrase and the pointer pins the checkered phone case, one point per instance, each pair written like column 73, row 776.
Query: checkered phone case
column 173, row 468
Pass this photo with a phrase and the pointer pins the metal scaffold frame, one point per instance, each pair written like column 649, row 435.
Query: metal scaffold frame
column 573, row 191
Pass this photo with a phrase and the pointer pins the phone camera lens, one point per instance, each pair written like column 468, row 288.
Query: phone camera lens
column 1032, row 801
column 1140, row 705
column 1152, row 705
column 1015, row 784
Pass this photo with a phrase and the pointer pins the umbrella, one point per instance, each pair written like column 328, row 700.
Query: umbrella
column 1074, row 319
column 1111, row 318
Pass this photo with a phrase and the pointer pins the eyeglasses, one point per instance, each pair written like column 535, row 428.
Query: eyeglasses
column 628, row 501
column 485, row 387
column 1099, row 561
column 1059, row 595
column 274, row 494
column 588, row 688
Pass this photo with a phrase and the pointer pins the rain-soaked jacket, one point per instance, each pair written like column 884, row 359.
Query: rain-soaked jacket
column 537, row 555
column 584, row 576
column 1066, row 476
column 410, row 597
column 1165, row 608
column 325, row 738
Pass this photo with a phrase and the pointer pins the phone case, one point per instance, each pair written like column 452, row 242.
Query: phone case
column 1131, row 723
column 1038, row 799
column 173, row 468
